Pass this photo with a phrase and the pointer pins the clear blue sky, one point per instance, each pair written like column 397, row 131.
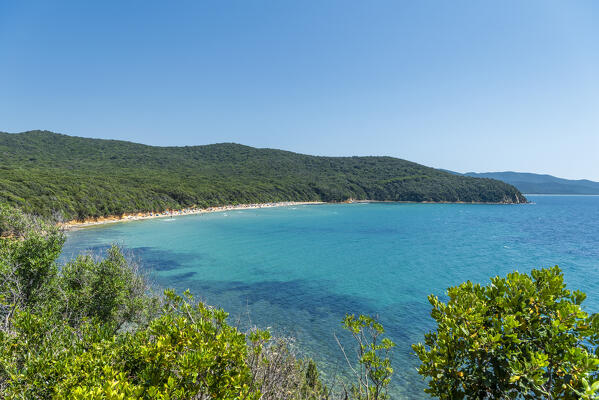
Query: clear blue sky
column 468, row 86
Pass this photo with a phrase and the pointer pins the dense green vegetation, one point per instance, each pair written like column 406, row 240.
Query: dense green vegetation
column 520, row 337
column 68, row 177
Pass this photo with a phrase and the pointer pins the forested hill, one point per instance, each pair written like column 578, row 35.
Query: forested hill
column 72, row 177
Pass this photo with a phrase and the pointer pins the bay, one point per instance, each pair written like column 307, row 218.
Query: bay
column 298, row 270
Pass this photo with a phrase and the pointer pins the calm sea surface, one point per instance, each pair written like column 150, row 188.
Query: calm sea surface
column 298, row 270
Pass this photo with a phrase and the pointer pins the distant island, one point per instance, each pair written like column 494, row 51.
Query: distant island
column 541, row 184
column 66, row 177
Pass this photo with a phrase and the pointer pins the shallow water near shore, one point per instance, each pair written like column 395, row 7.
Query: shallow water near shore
column 299, row 269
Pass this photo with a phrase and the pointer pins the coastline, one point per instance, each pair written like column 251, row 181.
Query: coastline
column 75, row 224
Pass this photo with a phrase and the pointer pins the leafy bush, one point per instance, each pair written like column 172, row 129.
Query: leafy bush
column 189, row 351
column 28, row 251
column 279, row 374
column 523, row 336
column 373, row 370
column 113, row 290
column 93, row 330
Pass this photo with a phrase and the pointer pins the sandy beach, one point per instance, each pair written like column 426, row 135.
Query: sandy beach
column 74, row 224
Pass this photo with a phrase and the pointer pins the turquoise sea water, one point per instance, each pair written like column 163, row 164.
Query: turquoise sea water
column 298, row 270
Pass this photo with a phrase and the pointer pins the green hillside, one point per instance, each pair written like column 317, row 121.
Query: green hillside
column 71, row 177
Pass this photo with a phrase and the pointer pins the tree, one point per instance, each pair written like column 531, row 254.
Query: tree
column 112, row 289
column 373, row 372
column 28, row 251
column 523, row 336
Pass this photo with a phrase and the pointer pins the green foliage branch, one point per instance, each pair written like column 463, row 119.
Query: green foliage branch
column 373, row 371
column 520, row 337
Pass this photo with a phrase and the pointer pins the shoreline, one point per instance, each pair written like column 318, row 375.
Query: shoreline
column 75, row 224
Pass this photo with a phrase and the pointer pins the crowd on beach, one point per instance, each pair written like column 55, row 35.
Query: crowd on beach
column 173, row 213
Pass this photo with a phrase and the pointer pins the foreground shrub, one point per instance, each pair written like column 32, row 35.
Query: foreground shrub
column 523, row 336
column 28, row 251
column 112, row 289
column 279, row 374
column 188, row 352
column 372, row 371
column 93, row 330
